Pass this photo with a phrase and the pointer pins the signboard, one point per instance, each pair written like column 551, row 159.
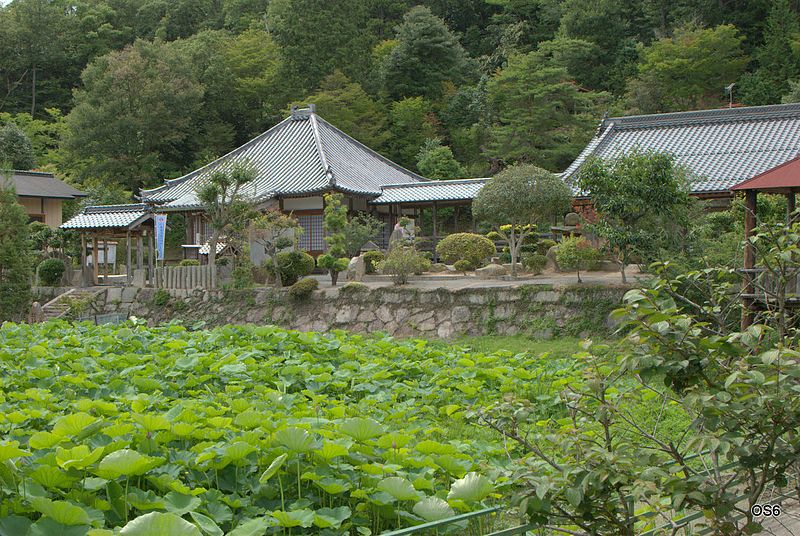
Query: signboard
column 161, row 230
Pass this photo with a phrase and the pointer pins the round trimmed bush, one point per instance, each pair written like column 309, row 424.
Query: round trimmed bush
column 303, row 289
column 463, row 266
column 470, row 247
column 543, row 246
column 189, row 262
column 534, row 262
column 293, row 265
column 51, row 271
column 372, row 259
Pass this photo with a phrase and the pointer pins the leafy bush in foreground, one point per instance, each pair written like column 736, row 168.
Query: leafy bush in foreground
column 51, row 271
column 250, row 428
column 470, row 247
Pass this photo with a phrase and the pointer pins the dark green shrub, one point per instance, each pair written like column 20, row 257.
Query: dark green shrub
column 51, row 271
column 534, row 262
column 354, row 286
column 470, row 247
column 543, row 246
column 372, row 259
column 463, row 266
column 493, row 236
column 333, row 265
column 161, row 298
column 222, row 261
column 242, row 276
column 293, row 265
column 190, row 262
column 303, row 289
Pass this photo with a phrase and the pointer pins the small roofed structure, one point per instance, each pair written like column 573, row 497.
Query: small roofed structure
column 783, row 179
column 42, row 195
column 100, row 224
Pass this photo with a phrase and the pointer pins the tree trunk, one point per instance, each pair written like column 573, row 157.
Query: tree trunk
column 334, row 277
column 622, row 272
column 276, row 271
column 33, row 92
column 212, row 248
column 513, row 246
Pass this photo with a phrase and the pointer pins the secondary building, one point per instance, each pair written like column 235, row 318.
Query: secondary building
column 42, row 195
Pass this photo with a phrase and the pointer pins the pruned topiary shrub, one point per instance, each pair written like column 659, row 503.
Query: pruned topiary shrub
column 303, row 289
column 353, row 287
column 372, row 259
column 189, row 262
column 470, row 247
column 543, row 246
column 463, row 266
column 333, row 265
column 534, row 262
column 51, row 271
column 293, row 265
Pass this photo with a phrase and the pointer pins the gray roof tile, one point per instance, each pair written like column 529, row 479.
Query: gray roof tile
column 720, row 147
column 444, row 190
column 109, row 217
column 40, row 184
column 300, row 155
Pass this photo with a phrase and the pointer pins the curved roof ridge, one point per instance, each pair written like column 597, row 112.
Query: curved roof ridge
column 713, row 115
column 320, row 149
column 435, row 182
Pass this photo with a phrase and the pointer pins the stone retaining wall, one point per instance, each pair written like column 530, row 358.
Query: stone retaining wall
column 535, row 310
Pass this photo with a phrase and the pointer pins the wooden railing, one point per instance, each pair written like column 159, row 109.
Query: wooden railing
column 186, row 277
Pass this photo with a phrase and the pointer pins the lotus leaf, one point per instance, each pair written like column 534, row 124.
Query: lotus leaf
column 433, row 509
column 472, row 488
column 159, row 524
column 126, row 462
column 399, row 488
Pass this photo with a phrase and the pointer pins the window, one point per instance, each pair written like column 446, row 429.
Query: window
column 312, row 237
column 36, row 217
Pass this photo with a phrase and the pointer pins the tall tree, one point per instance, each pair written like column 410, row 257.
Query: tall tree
column 318, row 36
column 539, row 114
column 16, row 150
column 688, row 70
column 16, row 268
column 345, row 104
column 778, row 58
column 411, row 121
column 135, row 110
column 436, row 161
column 427, row 55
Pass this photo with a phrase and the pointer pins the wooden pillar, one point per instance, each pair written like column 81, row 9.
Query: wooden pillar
column 748, row 288
column 128, row 271
column 105, row 260
column 150, row 256
column 455, row 218
column 139, row 251
column 83, row 260
column 790, row 207
column 95, row 262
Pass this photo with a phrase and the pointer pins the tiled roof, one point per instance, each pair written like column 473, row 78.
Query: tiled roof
column 109, row 217
column 40, row 184
column 445, row 190
column 300, row 155
column 719, row 147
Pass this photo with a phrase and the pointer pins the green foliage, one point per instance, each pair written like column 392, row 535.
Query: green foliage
column 359, row 230
column 436, row 161
column 161, row 297
column 51, row 271
column 353, row 287
column 221, row 432
column 189, row 262
column 534, row 262
column 274, row 231
column 463, row 265
column 688, row 70
column 574, row 253
column 303, row 289
column 411, row 122
column 543, row 246
column 16, row 150
column 334, row 223
column 516, row 199
column 16, row 269
column 372, row 259
column 334, row 265
column 473, row 248
column 242, row 276
column 427, row 56
column 401, row 262
column 540, row 114
column 642, row 200
column 294, row 265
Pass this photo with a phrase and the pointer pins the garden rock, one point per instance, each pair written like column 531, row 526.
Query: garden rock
column 491, row 271
column 356, row 269
column 552, row 264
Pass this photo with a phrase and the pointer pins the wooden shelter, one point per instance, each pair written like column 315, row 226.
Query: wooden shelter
column 783, row 179
column 98, row 225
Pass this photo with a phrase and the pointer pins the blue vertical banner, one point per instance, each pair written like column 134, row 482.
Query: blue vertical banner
column 161, row 230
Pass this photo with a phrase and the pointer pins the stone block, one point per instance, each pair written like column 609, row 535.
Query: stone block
column 491, row 271
column 356, row 270
column 460, row 313
column 129, row 294
column 139, row 278
column 114, row 294
column 445, row 330
column 546, row 296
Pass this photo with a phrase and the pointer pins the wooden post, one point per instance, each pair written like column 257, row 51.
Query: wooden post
column 790, row 207
column 128, row 271
column 83, row 260
column 95, row 262
column 150, row 256
column 105, row 261
column 749, row 258
column 139, row 251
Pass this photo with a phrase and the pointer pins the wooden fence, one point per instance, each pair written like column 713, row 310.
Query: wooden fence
column 186, row 277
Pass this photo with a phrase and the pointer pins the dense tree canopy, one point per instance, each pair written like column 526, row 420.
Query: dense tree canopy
column 498, row 81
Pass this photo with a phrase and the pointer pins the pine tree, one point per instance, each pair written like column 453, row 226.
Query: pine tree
column 436, row 161
column 15, row 256
column 16, row 149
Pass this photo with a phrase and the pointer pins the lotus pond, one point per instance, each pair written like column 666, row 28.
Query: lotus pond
column 245, row 430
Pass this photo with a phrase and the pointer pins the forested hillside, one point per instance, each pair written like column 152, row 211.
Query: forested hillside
column 128, row 92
